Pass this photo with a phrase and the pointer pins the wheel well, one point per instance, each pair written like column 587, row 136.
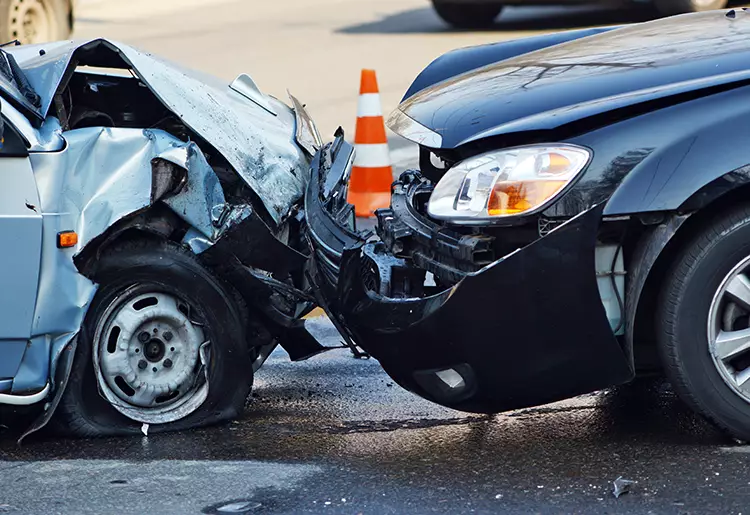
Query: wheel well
column 157, row 222
column 644, row 327
column 160, row 223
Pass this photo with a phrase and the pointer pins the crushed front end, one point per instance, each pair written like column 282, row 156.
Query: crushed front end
column 476, row 319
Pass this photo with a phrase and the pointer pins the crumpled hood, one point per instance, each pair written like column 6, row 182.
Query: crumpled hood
column 560, row 84
column 259, row 144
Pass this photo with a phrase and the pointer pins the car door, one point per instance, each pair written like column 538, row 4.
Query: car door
column 20, row 252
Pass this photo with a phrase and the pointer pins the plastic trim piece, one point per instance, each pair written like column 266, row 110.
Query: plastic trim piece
column 24, row 400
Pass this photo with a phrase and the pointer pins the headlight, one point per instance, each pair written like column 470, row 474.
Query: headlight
column 506, row 182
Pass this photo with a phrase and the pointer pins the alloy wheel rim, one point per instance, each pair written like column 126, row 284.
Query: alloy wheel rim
column 729, row 329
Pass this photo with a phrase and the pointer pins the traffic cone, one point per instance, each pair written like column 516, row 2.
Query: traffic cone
column 372, row 175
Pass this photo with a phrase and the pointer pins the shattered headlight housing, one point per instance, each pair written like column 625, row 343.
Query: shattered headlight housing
column 506, row 182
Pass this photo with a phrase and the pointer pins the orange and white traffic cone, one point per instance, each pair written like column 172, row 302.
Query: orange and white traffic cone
column 372, row 175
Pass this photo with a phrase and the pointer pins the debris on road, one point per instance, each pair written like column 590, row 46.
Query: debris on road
column 621, row 486
column 239, row 507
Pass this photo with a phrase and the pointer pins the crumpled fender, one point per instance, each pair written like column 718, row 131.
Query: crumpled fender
column 102, row 176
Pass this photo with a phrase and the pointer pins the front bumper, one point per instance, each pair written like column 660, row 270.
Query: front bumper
column 526, row 329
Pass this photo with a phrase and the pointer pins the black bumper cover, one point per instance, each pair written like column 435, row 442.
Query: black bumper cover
column 526, row 330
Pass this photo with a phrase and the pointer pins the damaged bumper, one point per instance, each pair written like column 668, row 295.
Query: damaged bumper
column 514, row 331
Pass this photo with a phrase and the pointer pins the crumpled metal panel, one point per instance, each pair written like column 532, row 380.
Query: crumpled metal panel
column 100, row 177
column 48, row 138
column 257, row 143
column 201, row 188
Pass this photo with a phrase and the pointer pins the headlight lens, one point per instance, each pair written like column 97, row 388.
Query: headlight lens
column 506, row 182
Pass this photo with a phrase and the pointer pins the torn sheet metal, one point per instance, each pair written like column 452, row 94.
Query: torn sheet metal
column 100, row 177
column 201, row 188
column 258, row 144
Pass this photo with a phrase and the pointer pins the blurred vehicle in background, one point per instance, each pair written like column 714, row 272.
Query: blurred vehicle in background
column 35, row 21
column 477, row 14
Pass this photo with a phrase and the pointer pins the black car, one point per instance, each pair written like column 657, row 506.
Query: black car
column 580, row 217
column 477, row 14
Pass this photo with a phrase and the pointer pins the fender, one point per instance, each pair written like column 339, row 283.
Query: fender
column 686, row 162
column 463, row 60
column 657, row 161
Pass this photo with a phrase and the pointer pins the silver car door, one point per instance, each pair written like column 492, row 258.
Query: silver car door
column 20, row 252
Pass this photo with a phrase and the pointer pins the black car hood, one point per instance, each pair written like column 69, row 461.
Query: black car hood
column 560, row 84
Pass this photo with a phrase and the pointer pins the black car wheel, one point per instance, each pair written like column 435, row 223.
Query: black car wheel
column 672, row 7
column 467, row 15
column 163, row 344
column 705, row 323
column 34, row 21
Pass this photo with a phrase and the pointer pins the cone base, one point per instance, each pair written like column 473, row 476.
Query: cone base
column 365, row 204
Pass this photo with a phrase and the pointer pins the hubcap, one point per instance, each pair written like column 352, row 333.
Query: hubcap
column 30, row 21
column 149, row 356
column 729, row 329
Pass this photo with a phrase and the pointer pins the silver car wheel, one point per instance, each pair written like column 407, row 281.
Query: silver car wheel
column 729, row 329
column 150, row 356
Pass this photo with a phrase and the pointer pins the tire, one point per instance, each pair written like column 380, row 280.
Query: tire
column 34, row 21
column 467, row 15
column 127, row 270
column 673, row 7
column 704, row 266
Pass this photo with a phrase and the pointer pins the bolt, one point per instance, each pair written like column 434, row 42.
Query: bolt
column 155, row 330
column 168, row 335
column 144, row 337
column 154, row 369
column 142, row 364
column 167, row 363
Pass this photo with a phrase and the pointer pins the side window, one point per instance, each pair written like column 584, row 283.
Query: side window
column 13, row 144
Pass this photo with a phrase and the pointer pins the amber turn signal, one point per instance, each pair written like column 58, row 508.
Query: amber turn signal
column 512, row 198
column 508, row 182
column 67, row 239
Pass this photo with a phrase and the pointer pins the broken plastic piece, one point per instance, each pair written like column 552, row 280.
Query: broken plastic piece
column 238, row 507
column 621, row 486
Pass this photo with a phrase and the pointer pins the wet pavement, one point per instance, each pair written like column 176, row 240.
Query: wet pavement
column 335, row 435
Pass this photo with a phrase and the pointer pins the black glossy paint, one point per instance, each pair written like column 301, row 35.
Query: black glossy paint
column 509, row 330
column 463, row 60
column 587, row 77
column 677, row 158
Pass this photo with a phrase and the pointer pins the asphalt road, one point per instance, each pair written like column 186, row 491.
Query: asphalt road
column 334, row 434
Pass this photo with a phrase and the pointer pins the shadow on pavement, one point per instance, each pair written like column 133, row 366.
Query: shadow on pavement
column 513, row 19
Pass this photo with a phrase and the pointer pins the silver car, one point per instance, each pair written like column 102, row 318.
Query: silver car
column 153, row 253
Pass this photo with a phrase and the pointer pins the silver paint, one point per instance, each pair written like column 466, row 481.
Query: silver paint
column 258, row 144
column 100, row 176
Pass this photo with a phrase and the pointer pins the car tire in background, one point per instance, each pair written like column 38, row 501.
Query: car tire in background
column 163, row 343
column 34, row 21
column 704, row 322
column 464, row 15
column 672, row 7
